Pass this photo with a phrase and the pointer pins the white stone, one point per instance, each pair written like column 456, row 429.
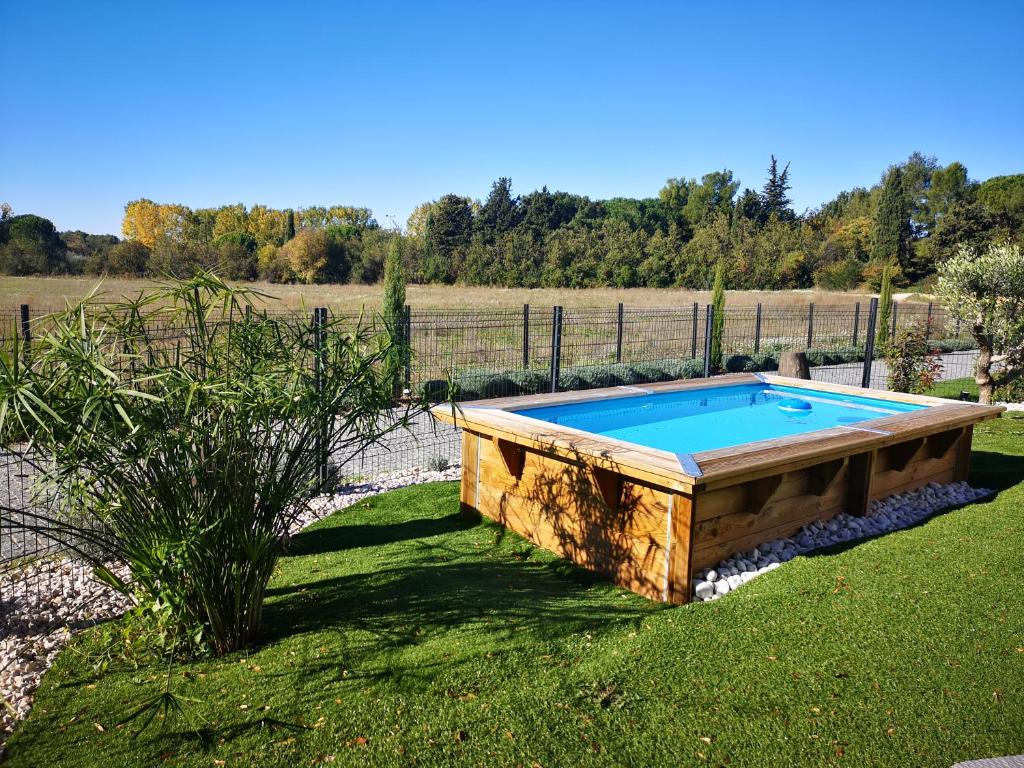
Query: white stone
column 704, row 589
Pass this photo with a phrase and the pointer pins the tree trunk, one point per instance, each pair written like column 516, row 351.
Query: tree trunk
column 983, row 372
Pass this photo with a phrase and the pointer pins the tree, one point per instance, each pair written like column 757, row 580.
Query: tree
column 883, row 328
column 306, row 255
column 891, row 233
column 449, row 228
column 130, row 258
column 985, row 290
column 714, row 194
column 499, row 213
column 1004, row 197
column 32, row 246
column 774, row 200
column 289, row 225
column 949, row 186
column 717, row 316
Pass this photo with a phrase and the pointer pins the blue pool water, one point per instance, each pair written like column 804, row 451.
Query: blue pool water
column 701, row 420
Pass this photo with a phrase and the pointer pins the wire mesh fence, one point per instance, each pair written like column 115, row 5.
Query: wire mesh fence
column 486, row 353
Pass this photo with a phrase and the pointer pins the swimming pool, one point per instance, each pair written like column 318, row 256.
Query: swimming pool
column 701, row 420
column 649, row 484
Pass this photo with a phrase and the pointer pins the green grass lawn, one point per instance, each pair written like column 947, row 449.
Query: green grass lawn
column 397, row 636
column 953, row 387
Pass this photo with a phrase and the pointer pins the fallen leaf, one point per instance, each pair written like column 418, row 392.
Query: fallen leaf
column 99, row 727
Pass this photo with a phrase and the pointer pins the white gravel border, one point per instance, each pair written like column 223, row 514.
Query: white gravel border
column 892, row 513
column 46, row 602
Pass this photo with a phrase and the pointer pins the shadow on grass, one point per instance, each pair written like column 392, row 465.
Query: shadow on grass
column 996, row 470
column 340, row 538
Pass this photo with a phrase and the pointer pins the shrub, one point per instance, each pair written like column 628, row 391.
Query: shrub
column 739, row 363
column 645, row 373
column 840, row 275
column 531, row 382
column 191, row 461
column 435, row 390
column 690, row 369
column 912, row 366
column 569, row 381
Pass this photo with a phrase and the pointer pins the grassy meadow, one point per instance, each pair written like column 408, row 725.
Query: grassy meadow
column 51, row 291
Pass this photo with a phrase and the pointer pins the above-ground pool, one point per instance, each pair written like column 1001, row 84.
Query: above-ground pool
column 692, row 420
column 649, row 484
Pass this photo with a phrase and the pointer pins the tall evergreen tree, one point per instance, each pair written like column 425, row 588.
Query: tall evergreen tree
column 289, row 225
column 891, row 231
column 500, row 212
column 717, row 315
column 449, row 229
column 773, row 197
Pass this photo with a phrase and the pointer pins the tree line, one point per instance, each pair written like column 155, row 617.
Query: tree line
column 910, row 221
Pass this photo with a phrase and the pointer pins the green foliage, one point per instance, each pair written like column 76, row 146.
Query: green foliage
column 912, row 363
column 189, row 453
column 718, row 316
column 985, row 291
column 31, row 245
column 774, row 198
column 841, row 275
column 1003, row 197
column 393, row 311
column 891, row 235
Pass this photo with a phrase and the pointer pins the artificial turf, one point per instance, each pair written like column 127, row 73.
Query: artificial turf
column 396, row 635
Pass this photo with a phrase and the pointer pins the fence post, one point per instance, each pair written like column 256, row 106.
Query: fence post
column 26, row 332
column 928, row 323
column 618, row 336
column 693, row 342
column 757, row 329
column 319, row 339
column 709, row 319
column 869, row 344
column 556, row 346
column 856, row 322
column 526, row 337
column 895, row 307
column 810, row 325
column 406, row 343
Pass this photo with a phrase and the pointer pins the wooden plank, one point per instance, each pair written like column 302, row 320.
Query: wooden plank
column 512, row 456
column 963, row 454
column 821, row 476
column 680, row 574
column 899, row 456
column 861, row 474
column 938, row 445
column 468, row 486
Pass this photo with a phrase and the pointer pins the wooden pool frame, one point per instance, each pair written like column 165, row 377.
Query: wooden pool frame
column 651, row 519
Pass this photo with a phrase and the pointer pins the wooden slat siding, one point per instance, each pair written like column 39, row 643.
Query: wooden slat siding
column 963, row 454
column 680, row 572
column 724, row 526
column 558, row 505
column 887, row 481
column 468, row 486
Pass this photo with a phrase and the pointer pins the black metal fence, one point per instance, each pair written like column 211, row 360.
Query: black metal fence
column 503, row 352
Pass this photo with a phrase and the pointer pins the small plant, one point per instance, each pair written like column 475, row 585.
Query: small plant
column 438, row 463
column 913, row 365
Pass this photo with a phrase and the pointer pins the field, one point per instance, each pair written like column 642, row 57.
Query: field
column 50, row 292
column 396, row 635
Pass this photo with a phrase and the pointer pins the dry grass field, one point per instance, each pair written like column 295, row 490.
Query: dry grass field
column 52, row 291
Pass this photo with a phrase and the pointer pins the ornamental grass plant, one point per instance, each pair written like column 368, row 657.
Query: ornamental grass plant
column 182, row 433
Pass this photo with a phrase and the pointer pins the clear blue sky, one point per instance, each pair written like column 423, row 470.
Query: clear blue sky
column 390, row 104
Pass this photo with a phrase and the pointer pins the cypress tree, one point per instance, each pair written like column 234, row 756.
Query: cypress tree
column 773, row 197
column 884, row 308
column 289, row 225
column 718, row 316
column 891, row 233
column 393, row 310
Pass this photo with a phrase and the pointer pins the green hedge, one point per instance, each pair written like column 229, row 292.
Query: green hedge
column 475, row 385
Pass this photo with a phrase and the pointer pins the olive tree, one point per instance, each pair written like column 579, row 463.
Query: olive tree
column 986, row 292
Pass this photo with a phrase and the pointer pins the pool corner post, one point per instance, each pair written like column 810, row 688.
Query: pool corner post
column 679, row 538
column 469, row 486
